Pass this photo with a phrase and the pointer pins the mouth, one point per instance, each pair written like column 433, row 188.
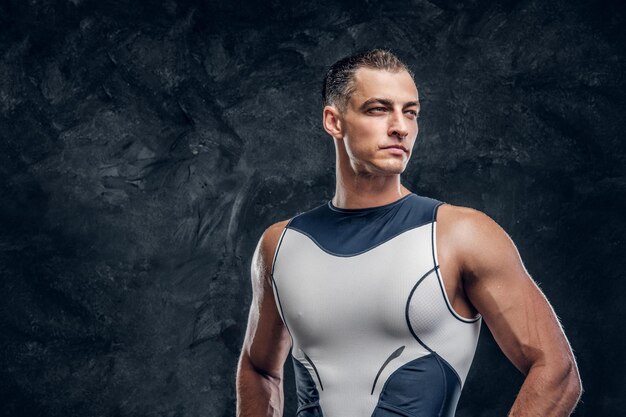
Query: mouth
column 399, row 147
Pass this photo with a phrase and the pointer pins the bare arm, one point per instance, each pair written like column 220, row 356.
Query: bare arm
column 519, row 316
column 267, row 342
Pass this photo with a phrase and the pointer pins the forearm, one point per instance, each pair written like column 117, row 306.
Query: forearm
column 548, row 393
column 258, row 394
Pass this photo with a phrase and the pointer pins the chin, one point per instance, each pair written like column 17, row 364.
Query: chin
column 391, row 169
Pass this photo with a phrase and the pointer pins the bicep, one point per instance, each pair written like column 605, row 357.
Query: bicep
column 516, row 311
column 267, row 342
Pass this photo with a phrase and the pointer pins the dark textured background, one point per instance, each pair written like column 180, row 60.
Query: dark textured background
column 145, row 146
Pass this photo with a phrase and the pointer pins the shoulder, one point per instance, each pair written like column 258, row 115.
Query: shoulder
column 268, row 243
column 475, row 237
column 272, row 233
column 463, row 219
column 270, row 239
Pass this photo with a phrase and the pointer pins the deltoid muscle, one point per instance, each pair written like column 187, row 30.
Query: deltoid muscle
column 373, row 332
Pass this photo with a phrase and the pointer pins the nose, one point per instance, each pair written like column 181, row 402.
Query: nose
column 398, row 125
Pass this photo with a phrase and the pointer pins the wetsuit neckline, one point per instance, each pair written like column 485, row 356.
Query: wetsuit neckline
column 365, row 209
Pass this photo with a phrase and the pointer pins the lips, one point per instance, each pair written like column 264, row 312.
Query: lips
column 397, row 147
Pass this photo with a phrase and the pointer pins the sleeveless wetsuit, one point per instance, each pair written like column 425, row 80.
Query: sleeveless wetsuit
column 373, row 332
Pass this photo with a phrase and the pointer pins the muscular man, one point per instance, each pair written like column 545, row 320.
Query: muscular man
column 380, row 293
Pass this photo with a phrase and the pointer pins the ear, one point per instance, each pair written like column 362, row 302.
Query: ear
column 332, row 122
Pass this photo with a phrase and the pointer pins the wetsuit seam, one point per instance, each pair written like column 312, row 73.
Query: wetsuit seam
column 280, row 242
column 280, row 306
column 406, row 310
column 445, row 384
column 390, row 358
column 306, row 358
column 454, row 314
column 275, row 284
column 458, row 377
column 447, row 301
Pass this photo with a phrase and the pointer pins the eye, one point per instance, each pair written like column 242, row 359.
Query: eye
column 414, row 113
column 378, row 108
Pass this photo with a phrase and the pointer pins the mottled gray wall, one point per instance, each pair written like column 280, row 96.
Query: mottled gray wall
column 146, row 145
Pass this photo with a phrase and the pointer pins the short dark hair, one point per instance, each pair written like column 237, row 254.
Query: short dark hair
column 338, row 83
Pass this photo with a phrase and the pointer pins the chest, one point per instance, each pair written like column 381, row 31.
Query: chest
column 324, row 296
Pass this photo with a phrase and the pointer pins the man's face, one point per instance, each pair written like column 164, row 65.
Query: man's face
column 382, row 112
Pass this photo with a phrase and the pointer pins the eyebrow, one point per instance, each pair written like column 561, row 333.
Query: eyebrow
column 388, row 102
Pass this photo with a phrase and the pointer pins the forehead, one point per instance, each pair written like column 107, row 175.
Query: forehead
column 397, row 86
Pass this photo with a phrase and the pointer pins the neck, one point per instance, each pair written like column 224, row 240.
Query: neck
column 354, row 189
